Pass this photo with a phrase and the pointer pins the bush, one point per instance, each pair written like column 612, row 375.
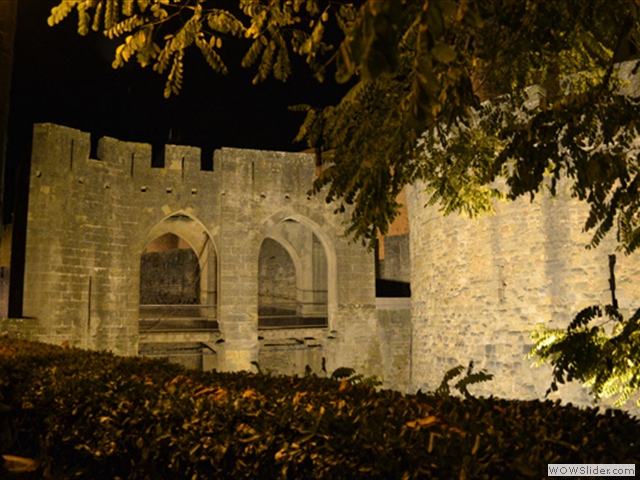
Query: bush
column 98, row 416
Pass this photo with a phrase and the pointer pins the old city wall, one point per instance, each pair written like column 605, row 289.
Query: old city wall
column 480, row 286
column 90, row 219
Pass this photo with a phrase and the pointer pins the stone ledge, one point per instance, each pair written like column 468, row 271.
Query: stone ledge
column 401, row 303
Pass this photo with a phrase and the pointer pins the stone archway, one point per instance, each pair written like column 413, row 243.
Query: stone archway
column 293, row 276
column 313, row 253
column 82, row 275
column 170, row 280
column 277, row 276
column 178, row 292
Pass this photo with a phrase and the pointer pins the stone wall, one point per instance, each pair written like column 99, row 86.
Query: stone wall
column 394, row 328
column 480, row 286
column 396, row 264
column 170, row 277
column 384, row 351
column 393, row 256
column 89, row 220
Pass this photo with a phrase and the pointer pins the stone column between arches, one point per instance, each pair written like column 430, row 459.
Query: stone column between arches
column 238, row 271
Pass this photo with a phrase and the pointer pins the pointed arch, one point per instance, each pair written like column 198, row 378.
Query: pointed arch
column 189, row 229
column 186, row 226
column 278, row 281
column 315, row 266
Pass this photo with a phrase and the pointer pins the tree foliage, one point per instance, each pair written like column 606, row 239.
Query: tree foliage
column 605, row 359
column 604, row 356
column 417, row 111
column 158, row 32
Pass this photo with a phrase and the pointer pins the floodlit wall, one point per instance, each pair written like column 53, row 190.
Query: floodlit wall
column 396, row 264
column 480, row 286
column 89, row 220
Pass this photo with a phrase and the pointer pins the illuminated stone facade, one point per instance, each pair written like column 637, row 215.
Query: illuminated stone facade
column 481, row 285
column 89, row 221
column 478, row 286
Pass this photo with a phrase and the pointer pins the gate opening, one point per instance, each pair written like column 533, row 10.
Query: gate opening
column 292, row 283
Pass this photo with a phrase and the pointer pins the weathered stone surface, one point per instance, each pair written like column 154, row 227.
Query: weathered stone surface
column 396, row 264
column 170, row 277
column 394, row 327
column 90, row 220
column 277, row 290
column 480, row 286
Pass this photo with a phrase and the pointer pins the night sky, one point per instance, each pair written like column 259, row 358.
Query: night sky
column 61, row 77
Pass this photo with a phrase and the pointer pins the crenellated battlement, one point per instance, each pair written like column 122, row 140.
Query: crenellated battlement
column 65, row 153
column 69, row 147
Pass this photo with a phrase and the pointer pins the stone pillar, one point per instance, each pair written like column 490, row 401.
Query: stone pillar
column 238, row 261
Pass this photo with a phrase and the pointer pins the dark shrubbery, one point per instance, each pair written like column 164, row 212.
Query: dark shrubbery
column 90, row 415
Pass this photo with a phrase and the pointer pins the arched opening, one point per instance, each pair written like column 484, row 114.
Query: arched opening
column 292, row 283
column 170, row 278
column 178, row 293
column 277, row 292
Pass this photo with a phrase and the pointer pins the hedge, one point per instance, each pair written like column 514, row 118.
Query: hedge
column 92, row 415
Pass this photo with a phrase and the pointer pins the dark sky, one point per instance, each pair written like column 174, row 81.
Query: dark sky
column 61, row 77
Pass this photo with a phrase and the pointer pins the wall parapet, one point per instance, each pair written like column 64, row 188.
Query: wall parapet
column 61, row 151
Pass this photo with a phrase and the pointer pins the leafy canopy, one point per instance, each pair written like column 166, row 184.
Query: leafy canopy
column 604, row 356
column 423, row 69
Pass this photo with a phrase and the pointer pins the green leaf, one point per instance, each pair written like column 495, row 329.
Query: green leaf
column 252, row 54
column 61, row 11
column 443, row 52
